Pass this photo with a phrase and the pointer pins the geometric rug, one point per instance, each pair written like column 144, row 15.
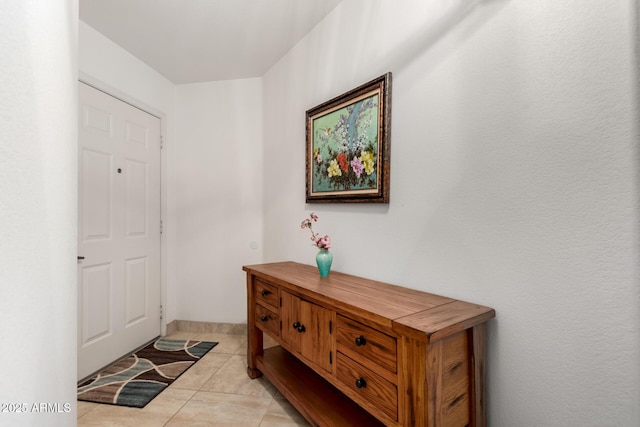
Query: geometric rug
column 135, row 380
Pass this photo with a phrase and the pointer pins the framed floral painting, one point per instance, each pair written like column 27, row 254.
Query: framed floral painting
column 348, row 138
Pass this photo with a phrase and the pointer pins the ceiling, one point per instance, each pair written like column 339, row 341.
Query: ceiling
column 206, row 40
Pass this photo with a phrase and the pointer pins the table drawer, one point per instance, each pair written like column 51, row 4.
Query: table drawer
column 374, row 391
column 266, row 292
column 365, row 343
column 267, row 320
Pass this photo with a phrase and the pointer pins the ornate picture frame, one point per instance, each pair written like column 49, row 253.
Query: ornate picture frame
column 348, row 146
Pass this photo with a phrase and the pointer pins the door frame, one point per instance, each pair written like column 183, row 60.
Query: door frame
column 122, row 96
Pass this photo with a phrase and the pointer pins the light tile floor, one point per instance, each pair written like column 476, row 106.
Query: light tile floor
column 216, row 391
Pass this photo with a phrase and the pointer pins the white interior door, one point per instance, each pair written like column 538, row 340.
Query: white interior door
column 118, row 230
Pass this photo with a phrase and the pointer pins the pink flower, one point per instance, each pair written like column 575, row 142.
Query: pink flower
column 324, row 242
column 356, row 164
column 320, row 242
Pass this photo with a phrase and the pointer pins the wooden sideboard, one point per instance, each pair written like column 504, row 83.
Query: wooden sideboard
column 357, row 352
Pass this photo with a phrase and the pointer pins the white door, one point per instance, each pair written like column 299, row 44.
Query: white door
column 118, row 229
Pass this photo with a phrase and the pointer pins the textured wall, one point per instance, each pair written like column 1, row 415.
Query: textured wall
column 38, row 208
column 514, row 171
column 219, row 167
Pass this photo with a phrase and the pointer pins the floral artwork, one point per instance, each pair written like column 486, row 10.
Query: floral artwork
column 346, row 143
column 345, row 147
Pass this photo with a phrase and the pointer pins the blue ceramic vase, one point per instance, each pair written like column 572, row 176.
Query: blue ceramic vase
column 324, row 260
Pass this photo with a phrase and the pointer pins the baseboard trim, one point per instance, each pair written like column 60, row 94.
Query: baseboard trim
column 206, row 327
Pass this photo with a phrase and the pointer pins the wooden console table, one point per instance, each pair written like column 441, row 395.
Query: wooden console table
column 357, row 352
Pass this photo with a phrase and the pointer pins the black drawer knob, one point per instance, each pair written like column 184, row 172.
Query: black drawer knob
column 295, row 325
column 301, row 328
column 264, row 318
column 361, row 382
column 360, row 341
column 265, row 293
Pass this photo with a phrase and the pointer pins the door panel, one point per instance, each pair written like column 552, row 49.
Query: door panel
column 119, row 229
column 96, row 182
column 137, row 282
column 316, row 342
column 290, row 314
column 311, row 336
column 137, row 185
column 96, row 283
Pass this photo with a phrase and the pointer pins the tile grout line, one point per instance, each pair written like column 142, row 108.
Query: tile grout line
column 178, row 410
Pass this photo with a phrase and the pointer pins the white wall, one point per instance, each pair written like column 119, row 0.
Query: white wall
column 38, row 208
column 218, row 173
column 514, row 166
column 113, row 69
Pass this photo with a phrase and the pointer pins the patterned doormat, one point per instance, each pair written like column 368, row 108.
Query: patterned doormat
column 135, row 380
